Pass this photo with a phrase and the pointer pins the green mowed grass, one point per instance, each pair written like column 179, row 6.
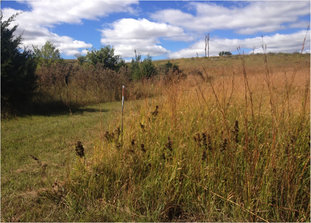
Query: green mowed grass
column 51, row 139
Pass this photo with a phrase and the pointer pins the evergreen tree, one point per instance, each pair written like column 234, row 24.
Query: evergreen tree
column 147, row 67
column 142, row 69
column 18, row 79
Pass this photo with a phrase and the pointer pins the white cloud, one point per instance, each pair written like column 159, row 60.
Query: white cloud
column 300, row 24
column 127, row 35
column 252, row 18
column 35, row 25
column 287, row 43
column 50, row 12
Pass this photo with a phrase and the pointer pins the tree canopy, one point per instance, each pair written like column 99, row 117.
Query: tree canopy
column 105, row 57
column 225, row 53
column 48, row 54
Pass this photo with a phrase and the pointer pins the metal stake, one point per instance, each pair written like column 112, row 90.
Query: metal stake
column 122, row 112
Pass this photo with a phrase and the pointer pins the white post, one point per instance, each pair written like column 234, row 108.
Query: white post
column 122, row 112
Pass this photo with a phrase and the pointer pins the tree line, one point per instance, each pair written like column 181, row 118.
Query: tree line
column 40, row 73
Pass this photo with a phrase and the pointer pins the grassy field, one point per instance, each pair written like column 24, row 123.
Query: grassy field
column 25, row 182
column 231, row 142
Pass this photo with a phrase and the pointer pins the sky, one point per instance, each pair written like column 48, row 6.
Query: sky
column 162, row 29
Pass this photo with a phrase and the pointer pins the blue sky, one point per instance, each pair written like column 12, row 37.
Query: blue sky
column 161, row 29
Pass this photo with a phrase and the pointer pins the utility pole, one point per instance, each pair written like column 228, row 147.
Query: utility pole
column 207, row 44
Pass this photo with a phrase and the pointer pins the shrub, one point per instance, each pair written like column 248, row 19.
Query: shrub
column 147, row 68
column 142, row 69
column 225, row 53
column 170, row 68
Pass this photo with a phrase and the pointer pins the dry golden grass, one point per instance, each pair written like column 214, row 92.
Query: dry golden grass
column 229, row 144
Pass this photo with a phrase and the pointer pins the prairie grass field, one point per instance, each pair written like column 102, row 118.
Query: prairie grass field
column 227, row 141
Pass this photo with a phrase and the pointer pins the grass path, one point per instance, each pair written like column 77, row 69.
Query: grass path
column 52, row 140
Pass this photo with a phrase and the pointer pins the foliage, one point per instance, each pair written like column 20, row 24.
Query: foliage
column 135, row 67
column 148, row 69
column 142, row 69
column 47, row 55
column 18, row 79
column 104, row 57
column 170, row 68
column 225, row 53
column 81, row 59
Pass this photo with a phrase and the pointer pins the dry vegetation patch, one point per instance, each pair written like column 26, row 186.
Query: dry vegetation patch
column 221, row 145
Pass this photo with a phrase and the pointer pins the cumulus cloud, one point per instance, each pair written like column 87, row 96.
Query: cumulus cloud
column 51, row 12
column 127, row 35
column 287, row 43
column 35, row 25
column 252, row 18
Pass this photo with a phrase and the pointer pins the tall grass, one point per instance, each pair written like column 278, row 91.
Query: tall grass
column 230, row 147
column 73, row 85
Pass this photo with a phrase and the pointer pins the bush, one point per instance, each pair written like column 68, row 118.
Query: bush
column 225, row 53
column 147, row 68
column 142, row 69
column 18, row 79
column 170, row 68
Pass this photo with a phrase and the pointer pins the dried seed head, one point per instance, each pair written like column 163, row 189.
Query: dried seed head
column 197, row 139
column 79, row 149
column 204, row 155
column 142, row 126
column 209, row 142
column 224, row 145
column 169, row 144
column 163, row 156
column 236, row 131
column 118, row 131
column 155, row 112
column 142, row 146
column 107, row 136
column 204, row 140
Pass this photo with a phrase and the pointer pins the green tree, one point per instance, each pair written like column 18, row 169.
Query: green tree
column 135, row 67
column 225, row 53
column 142, row 69
column 169, row 67
column 147, row 67
column 18, row 79
column 47, row 55
column 105, row 57
column 81, row 59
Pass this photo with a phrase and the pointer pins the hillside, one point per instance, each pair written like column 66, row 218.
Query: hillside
column 228, row 139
